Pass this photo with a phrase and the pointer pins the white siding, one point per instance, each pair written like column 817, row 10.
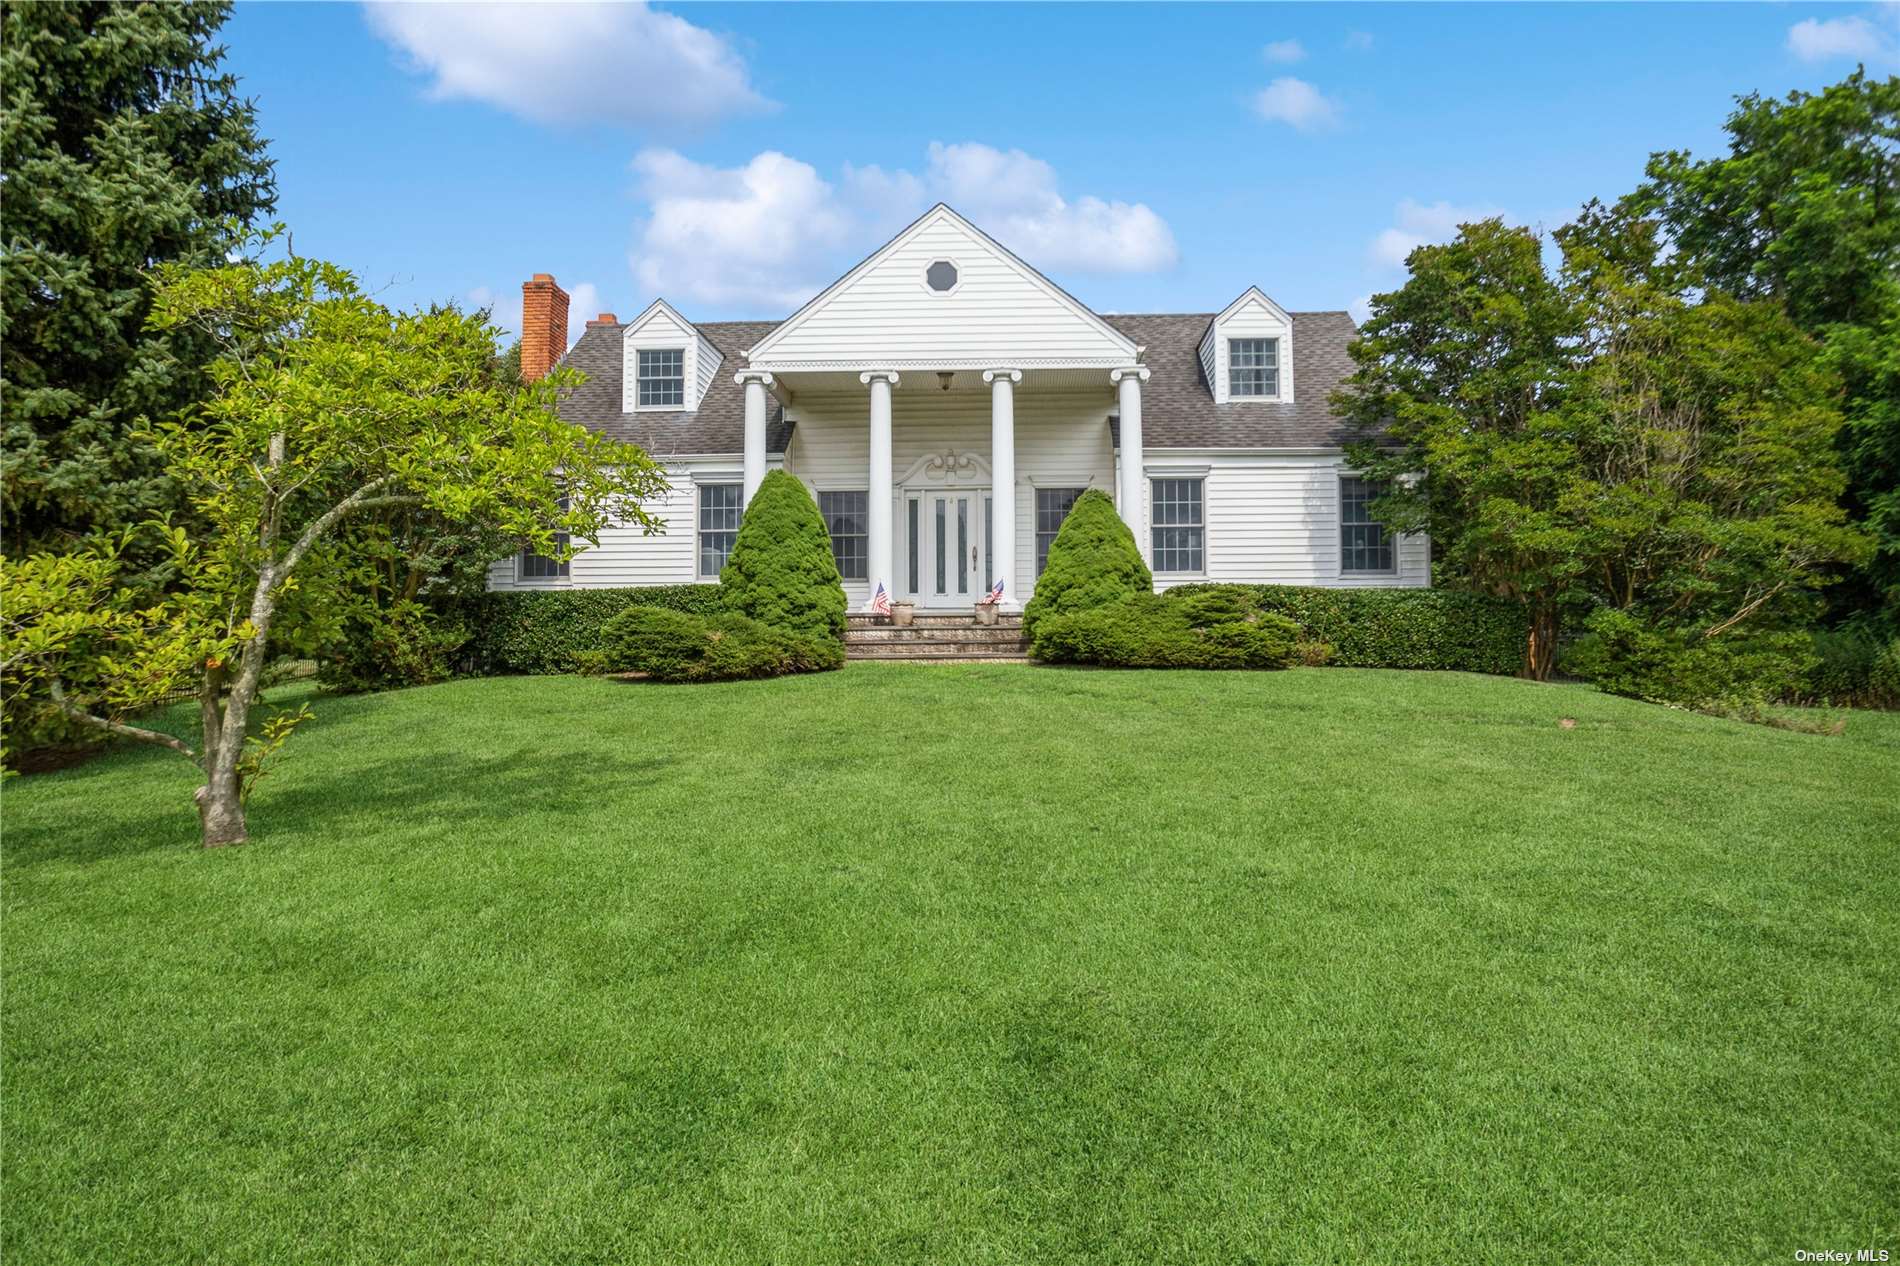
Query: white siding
column 1275, row 520
column 625, row 556
column 659, row 328
column 1253, row 315
column 1000, row 313
column 707, row 360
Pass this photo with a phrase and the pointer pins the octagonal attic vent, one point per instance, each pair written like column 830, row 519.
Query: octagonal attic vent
column 942, row 276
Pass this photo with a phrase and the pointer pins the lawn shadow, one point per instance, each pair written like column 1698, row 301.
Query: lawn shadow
column 311, row 801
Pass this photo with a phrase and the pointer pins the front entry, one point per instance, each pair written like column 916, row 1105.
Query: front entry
column 947, row 554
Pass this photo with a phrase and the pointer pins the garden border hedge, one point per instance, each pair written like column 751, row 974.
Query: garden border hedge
column 1443, row 629
column 541, row 630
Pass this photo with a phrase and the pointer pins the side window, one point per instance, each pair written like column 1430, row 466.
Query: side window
column 1052, row 506
column 719, row 512
column 1364, row 545
column 1179, row 527
column 845, row 515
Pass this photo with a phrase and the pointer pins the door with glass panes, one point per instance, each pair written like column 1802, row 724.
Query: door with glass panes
column 948, row 561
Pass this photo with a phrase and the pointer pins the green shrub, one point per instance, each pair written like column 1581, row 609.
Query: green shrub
column 1153, row 631
column 1622, row 655
column 781, row 572
column 678, row 647
column 1854, row 669
column 542, row 631
column 1392, row 628
column 1092, row 562
column 406, row 644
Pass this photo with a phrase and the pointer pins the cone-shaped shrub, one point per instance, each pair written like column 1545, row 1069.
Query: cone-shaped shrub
column 1092, row 562
column 781, row 572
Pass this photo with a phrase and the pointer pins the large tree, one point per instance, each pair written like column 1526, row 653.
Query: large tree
column 324, row 406
column 125, row 145
column 1804, row 210
column 1616, row 436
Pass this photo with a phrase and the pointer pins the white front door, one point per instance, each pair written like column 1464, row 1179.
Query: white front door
column 950, row 545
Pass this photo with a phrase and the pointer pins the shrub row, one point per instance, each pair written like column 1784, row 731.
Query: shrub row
column 1217, row 630
column 542, row 632
column 678, row 646
column 1401, row 628
column 1854, row 670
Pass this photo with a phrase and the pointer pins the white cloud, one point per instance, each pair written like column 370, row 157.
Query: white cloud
column 1358, row 41
column 1417, row 224
column 1814, row 39
column 573, row 63
column 1294, row 101
column 1284, row 51
column 768, row 235
column 1360, row 308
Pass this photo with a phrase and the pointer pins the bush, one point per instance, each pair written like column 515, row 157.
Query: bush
column 1092, row 562
column 1622, row 655
column 1392, row 628
column 543, row 631
column 781, row 572
column 406, row 645
column 1154, row 631
column 1854, row 670
column 675, row 646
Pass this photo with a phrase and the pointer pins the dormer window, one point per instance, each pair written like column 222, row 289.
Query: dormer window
column 662, row 374
column 1253, row 367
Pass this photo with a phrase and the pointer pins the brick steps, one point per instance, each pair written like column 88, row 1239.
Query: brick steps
column 936, row 639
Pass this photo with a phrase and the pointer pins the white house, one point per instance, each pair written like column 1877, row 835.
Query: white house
column 946, row 403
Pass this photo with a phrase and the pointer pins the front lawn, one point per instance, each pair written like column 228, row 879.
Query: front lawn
column 965, row 964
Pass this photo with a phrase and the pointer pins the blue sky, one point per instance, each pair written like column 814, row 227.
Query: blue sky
column 735, row 158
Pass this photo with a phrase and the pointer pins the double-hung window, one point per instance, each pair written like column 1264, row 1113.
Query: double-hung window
column 845, row 514
column 1364, row 544
column 719, row 511
column 1180, row 526
column 662, row 378
column 542, row 567
column 1253, row 367
column 1052, row 507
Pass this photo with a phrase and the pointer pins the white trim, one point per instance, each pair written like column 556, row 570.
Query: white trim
column 941, row 212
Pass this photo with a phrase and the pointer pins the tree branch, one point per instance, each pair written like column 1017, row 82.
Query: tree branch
column 327, row 520
column 115, row 727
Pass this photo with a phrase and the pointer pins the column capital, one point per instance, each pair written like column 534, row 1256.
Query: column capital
column 869, row 375
column 761, row 376
column 991, row 375
column 1138, row 372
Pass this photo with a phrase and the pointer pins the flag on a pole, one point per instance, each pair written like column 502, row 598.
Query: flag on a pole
column 994, row 596
column 881, row 601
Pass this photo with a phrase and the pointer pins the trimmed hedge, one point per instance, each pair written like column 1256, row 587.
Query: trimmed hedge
column 781, row 571
column 1442, row 629
column 542, row 631
column 1092, row 562
column 676, row 646
column 1155, row 631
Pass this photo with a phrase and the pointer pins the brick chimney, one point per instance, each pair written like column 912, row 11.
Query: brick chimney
column 605, row 318
column 543, row 326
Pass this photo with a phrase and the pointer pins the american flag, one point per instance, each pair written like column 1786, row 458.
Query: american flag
column 995, row 595
column 881, row 601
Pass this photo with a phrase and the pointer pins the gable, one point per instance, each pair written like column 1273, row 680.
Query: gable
column 659, row 328
column 885, row 313
column 1253, row 315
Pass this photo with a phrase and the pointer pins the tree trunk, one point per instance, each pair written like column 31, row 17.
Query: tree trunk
column 220, row 811
column 1540, row 649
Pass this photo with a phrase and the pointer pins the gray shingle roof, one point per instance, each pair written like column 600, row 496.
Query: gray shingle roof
column 717, row 426
column 1177, row 404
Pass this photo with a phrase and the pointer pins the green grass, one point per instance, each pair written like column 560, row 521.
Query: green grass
column 975, row 964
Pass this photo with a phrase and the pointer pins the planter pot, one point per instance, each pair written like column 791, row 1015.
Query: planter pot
column 986, row 613
column 901, row 613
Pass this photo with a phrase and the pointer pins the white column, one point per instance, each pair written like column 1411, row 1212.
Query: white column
column 1134, row 491
column 1003, row 481
column 755, row 382
column 878, row 485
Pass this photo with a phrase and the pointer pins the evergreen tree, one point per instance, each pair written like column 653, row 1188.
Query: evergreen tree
column 125, row 146
column 781, row 572
column 1092, row 562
